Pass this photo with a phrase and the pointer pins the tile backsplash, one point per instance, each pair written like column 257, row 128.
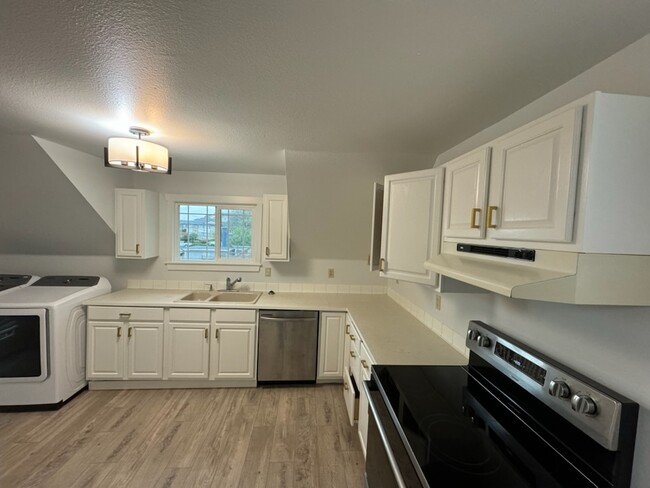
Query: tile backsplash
column 263, row 287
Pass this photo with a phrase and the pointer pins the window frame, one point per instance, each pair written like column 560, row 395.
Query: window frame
column 218, row 264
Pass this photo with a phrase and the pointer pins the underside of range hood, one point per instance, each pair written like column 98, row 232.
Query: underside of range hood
column 553, row 276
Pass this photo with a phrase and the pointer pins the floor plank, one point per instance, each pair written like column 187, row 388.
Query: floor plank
column 269, row 437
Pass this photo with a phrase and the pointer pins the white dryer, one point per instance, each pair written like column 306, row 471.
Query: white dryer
column 43, row 349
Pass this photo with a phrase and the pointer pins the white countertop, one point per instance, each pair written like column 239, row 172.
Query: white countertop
column 391, row 334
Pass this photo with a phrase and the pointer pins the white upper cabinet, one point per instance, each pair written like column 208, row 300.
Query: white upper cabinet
column 375, row 232
column 276, row 228
column 533, row 181
column 136, row 224
column 411, row 225
column 520, row 187
column 466, row 180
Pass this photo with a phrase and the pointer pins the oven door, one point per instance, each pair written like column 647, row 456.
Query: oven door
column 387, row 463
column 23, row 345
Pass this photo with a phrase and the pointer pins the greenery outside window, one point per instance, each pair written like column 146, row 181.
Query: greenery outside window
column 220, row 233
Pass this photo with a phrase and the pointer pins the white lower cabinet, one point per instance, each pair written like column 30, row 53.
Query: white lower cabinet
column 330, row 346
column 365, row 362
column 124, row 343
column 187, row 343
column 232, row 349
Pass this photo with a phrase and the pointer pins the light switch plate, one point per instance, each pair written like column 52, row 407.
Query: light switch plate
column 330, row 273
column 267, row 272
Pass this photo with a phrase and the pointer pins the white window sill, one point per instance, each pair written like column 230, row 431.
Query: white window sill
column 194, row 266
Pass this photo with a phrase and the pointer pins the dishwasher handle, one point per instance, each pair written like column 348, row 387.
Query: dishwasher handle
column 285, row 319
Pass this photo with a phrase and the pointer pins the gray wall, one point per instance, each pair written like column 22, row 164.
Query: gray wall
column 42, row 211
column 607, row 343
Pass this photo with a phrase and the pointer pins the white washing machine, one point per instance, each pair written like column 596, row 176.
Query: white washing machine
column 13, row 282
column 43, row 346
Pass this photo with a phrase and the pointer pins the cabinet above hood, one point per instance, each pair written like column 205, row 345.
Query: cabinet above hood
column 554, row 276
column 557, row 209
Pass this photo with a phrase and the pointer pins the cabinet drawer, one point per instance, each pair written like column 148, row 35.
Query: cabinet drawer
column 365, row 363
column 189, row 315
column 355, row 366
column 125, row 313
column 351, row 396
column 355, row 339
column 235, row 316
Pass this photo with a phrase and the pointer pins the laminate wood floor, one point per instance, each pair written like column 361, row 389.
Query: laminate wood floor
column 241, row 437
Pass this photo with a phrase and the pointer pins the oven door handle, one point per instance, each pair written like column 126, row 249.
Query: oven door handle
column 384, row 438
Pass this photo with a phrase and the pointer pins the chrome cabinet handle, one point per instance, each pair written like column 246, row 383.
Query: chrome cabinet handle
column 125, row 316
column 364, row 363
column 268, row 251
column 119, row 332
column 137, row 248
column 353, row 337
column 206, row 333
column 353, row 354
column 130, row 333
column 216, row 334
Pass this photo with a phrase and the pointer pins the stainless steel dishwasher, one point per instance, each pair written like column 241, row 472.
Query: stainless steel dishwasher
column 287, row 346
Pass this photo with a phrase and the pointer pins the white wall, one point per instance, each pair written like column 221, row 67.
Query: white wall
column 607, row 343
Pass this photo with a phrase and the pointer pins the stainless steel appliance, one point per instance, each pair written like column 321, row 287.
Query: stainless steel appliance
column 287, row 346
column 511, row 418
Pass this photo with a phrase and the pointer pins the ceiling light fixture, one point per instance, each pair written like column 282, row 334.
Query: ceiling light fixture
column 136, row 154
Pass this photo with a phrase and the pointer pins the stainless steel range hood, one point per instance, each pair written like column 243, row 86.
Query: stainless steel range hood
column 553, row 276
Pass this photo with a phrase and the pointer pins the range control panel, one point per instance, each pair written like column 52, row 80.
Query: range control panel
column 587, row 405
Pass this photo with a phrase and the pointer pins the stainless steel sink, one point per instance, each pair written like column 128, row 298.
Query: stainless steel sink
column 236, row 296
column 197, row 296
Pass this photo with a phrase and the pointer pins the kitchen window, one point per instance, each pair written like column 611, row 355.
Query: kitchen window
column 215, row 233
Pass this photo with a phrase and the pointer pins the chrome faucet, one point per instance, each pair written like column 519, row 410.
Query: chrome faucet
column 230, row 284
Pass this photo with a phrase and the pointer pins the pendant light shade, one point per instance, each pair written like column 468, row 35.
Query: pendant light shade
column 136, row 154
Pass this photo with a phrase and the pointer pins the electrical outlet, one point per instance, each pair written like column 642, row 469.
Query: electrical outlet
column 330, row 273
column 438, row 302
column 267, row 272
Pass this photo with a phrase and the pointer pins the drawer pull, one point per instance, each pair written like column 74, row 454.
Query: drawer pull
column 125, row 316
column 345, row 386
column 353, row 354
column 364, row 363
column 353, row 337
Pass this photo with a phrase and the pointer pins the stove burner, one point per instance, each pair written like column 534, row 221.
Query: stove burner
column 459, row 445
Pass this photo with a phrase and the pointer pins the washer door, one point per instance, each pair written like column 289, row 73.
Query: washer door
column 23, row 345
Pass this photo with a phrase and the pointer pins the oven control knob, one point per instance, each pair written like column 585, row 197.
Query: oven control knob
column 483, row 341
column 559, row 388
column 582, row 403
column 472, row 334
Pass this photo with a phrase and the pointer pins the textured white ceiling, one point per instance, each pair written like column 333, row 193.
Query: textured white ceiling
column 229, row 85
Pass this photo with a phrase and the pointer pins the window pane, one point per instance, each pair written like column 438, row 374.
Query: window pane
column 197, row 230
column 236, row 225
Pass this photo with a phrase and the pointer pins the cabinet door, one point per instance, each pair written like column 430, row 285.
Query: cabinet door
column 411, row 225
column 105, row 349
column 466, row 180
column 533, row 181
column 330, row 346
column 145, row 349
column 128, row 222
column 276, row 228
column 375, row 231
column 233, row 351
column 186, row 350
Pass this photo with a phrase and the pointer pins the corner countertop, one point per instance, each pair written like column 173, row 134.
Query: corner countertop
column 391, row 334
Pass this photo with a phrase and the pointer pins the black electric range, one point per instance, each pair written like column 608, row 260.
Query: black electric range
column 510, row 418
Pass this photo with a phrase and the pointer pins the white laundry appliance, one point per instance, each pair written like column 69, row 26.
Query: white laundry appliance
column 12, row 282
column 43, row 341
